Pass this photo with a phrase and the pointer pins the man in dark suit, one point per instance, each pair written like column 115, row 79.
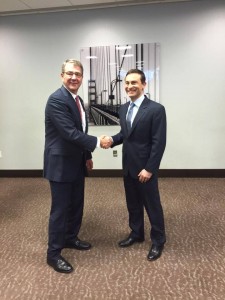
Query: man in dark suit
column 143, row 134
column 67, row 157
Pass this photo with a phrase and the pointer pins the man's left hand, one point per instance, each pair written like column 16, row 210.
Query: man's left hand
column 89, row 164
column 144, row 176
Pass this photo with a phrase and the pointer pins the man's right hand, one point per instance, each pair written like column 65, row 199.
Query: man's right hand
column 106, row 141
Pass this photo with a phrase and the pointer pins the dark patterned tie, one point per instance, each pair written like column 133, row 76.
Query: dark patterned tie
column 129, row 116
column 78, row 106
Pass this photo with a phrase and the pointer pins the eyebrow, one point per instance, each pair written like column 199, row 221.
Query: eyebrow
column 127, row 81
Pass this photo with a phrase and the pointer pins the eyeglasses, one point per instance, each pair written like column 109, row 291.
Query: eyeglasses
column 70, row 74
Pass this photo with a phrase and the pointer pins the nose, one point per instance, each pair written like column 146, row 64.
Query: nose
column 74, row 75
column 129, row 86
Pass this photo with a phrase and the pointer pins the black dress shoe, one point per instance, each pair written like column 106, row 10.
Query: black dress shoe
column 78, row 244
column 60, row 265
column 155, row 252
column 130, row 241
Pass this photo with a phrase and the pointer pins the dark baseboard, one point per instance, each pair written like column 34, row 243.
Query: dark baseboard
column 192, row 173
column 218, row 173
column 199, row 173
column 21, row 173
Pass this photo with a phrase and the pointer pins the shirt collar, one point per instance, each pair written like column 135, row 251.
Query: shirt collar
column 138, row 101
column 73, row 95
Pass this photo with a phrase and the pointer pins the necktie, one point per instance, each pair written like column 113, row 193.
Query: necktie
column 129, row 116
column 78, row 106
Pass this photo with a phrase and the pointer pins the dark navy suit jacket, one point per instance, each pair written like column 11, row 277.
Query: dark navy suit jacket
column 66, row 145
column 144, row 144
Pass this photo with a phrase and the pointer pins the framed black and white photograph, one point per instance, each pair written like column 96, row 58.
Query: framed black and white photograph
column 105, row 68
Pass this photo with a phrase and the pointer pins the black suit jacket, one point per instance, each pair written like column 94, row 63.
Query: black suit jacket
column 144, row 144
column 66, row 145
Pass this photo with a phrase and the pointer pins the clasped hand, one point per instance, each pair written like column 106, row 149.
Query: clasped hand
column 106, row 141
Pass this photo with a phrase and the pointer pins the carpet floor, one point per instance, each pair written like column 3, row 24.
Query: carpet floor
column 192, row 265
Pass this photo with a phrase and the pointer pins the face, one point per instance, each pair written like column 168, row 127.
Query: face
column 133, row 86
column 72, row 81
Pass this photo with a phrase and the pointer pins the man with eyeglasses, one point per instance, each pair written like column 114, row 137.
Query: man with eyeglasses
column 67, row 157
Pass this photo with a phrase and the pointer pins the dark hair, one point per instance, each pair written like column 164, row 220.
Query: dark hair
column 137, row 71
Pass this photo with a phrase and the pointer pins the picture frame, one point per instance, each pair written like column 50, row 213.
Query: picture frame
column 105, row 69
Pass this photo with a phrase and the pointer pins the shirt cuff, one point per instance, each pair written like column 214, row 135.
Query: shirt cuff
column 98, row 142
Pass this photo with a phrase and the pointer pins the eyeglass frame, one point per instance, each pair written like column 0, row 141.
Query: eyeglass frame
column 77, row 74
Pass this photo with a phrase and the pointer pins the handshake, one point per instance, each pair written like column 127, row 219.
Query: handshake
column 106, row 141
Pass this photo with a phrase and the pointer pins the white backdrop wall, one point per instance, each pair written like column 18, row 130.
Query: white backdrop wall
column 192, row 80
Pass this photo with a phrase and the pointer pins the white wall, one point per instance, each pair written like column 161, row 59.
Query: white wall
column 192, row 86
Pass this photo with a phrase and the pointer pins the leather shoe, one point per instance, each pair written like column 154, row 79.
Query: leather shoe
column 78, row 244
column 130, row 241
column 155, row 252
column 60, row 265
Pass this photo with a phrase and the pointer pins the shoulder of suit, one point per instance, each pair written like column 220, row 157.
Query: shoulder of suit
column 59, row 96
column 60, row 93
column 154, row 104
column 125, row 105
column 56, row 93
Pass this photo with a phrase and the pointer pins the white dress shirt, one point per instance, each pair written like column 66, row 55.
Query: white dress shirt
column 136, row 107
column 84, row 118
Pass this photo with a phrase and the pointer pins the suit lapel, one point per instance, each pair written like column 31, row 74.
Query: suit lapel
column 72, row 104
column 123, row 114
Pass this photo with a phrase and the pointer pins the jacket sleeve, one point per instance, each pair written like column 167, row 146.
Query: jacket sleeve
column 88, row 155
column 158, row 140
column 117, row 139
column 59, row 114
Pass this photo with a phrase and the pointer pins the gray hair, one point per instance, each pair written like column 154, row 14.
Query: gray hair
column 74, row 62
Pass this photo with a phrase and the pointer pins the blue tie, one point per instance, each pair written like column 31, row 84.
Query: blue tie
column 129, row 116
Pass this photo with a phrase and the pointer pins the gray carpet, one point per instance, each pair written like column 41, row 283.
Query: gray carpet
column 192, row 265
